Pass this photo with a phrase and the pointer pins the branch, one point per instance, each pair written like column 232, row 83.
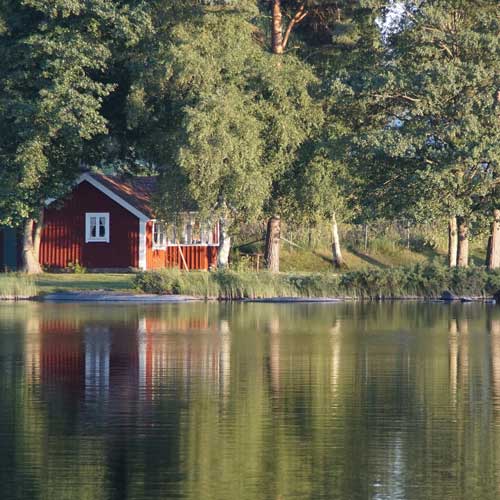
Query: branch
column 397, row 96
column 299, row 16
column 446, row 49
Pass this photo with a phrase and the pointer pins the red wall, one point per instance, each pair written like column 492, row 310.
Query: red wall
column 63, row 237
column 197, row 257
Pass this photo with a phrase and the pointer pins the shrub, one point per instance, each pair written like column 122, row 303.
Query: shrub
column 75, row 268
column 159, row 282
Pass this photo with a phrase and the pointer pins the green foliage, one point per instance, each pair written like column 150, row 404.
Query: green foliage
column 52, row 85
column 231, row 115
column 76, row 268
column 438, row 151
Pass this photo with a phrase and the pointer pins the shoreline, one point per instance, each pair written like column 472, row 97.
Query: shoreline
column 131, row 298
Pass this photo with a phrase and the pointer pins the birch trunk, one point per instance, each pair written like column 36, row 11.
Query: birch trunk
column 277, row 28
column 338, row 260
column 494, row 247
column 463, row 242
column 30, row 263
column 224, row 244
column 452, row 242
column 272, row 252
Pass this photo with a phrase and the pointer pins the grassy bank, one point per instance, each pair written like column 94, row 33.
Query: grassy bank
column 421, row 280
column 15, row 286
column 61, row 282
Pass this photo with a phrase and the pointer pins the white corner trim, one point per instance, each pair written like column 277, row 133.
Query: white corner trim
column 118, row 199
column 142, row 245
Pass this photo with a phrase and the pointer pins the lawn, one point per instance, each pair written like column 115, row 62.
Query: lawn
column 50, row 283
column 321, row 260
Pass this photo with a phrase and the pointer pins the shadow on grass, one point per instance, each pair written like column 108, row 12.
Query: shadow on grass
column 368, row 259
column 323, row 257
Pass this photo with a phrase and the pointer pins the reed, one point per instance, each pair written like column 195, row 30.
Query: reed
column 423, row 281
column 17, row 287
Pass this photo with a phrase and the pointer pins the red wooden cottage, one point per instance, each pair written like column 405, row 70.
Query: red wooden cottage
column 108, row 222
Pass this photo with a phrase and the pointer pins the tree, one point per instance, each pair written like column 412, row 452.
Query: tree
column 51, row 91
column 441, row 140
column 225, row 120
column 340, row 41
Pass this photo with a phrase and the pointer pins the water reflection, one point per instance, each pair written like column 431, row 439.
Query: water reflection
column 209, row 401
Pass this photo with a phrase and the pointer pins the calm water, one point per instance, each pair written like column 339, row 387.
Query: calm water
column 250, row 401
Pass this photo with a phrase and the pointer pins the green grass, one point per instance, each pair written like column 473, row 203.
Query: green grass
column 16, row 286
column 51, row 283
column 321, row 260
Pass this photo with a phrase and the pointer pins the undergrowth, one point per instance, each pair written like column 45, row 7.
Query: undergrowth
column 421, row 280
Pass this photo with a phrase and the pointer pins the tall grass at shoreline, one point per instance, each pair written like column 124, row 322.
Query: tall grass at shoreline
column 16, row 287
column 420, row 281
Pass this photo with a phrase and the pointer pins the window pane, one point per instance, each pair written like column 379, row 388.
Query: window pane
column 93, row 227
column 161, row 234
column 102, row 227
column 189, row 233
column 196, row 233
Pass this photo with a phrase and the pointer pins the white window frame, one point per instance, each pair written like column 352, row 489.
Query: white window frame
column 158, row 246
column 97, row 239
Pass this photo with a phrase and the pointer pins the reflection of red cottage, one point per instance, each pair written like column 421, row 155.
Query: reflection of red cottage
column 107, row 222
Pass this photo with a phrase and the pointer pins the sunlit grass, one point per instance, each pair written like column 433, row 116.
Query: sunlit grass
column 61, row 282
column 17, row 286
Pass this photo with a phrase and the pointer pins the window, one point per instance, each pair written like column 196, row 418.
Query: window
column 97, row 227
column 188, row 231
column 195, row 232
column 159, row 236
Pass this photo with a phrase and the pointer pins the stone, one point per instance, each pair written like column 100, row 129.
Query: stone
column 447, row 295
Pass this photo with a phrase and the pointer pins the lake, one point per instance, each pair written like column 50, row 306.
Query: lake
column 237, row 401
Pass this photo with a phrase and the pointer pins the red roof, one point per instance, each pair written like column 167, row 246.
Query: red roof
column 137, row 191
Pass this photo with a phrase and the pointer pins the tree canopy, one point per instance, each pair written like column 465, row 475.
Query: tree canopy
column 310, row 109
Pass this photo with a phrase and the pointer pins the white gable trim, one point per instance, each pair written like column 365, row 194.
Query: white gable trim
column 110, row 194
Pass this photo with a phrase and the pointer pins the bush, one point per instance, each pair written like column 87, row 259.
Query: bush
column 75, row 268
column 161, row 282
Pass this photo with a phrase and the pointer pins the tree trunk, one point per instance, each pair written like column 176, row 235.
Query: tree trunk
column 30, row 263
column 488, row 252
column 494, row 250
column 463, row 242
column 272, row 252
column 37, row 237
column 224, row 244
column 277, row 28
column 338, row 260
column 452, row 242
